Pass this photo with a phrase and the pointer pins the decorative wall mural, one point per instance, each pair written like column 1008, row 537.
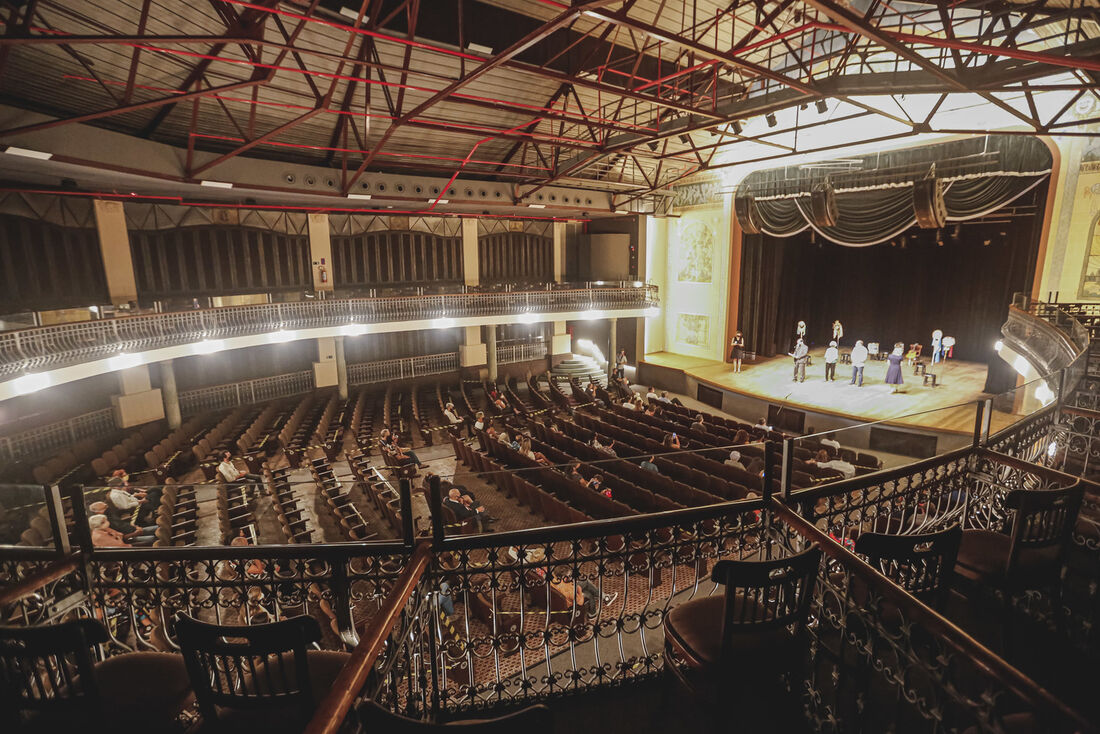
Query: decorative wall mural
column 1090, row 278
column 693, row 329
column 696, row 262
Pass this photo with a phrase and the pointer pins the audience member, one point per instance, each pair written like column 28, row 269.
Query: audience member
column 652, row 394
column 650, row 464
column 479, row 421
column 389, row 444
column 232, row 475
column 829, row 439
column 664, row 397
column 103, row 535
column 118, row 522
column 734, row 459
column 462, row 507
column 698, row 424
column 822, row 459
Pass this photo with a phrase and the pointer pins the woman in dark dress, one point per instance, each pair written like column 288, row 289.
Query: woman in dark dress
column 893, row 372
column 737, row 350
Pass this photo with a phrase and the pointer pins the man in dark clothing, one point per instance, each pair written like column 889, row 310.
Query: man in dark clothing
column 463, row 508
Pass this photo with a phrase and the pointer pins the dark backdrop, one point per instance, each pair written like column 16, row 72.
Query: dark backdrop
column 889, row 293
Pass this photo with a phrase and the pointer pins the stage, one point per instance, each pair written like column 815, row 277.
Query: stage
column 939, row 409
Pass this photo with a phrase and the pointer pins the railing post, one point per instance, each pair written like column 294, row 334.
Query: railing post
column 788, row 468
column 983, row 420
column 979, row 414
column 435, row 498
column 769, row 472
column 80, row 519
column 404, row 488
column 57, row 519
column 1062, row 386
column 341, row 597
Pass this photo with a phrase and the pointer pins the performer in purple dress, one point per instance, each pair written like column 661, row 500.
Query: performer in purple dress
column 893, row 372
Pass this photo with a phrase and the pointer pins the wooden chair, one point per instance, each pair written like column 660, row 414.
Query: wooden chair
column 49, row 681
column 1031, row 555
column 531, row 720
column 258, row 675
column 921, row 564
column 750, row 634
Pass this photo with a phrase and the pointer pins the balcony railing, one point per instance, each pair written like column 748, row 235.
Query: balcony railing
column 56, row 436
column 520, row 352
column 368, row 373
column 220, row 397
column 65, row 344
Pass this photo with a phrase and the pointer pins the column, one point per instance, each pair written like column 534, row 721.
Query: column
column 114, row 248
column 138, row 403
column 559, row 251
column 472, row 355
column 320, row 251
column 470, row 255
column 170, row 394
column 341, row 369
column 561, row 344
column 491, row 351
column 612, row 343
column 325, row 373
column 642, row 244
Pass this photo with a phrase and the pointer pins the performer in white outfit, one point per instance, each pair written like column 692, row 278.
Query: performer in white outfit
column 838, row 331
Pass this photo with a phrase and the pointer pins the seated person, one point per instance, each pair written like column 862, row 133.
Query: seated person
column 842, row 466
column 120, row 523
column 575, row 474
column 664, row 397
column 451, row 414
column 232, row 475
column 734, row 459
column 103, row 536
column 652, row 394
column 650, row 464
column 608, row 449
column 698, row 424
column 596, row 485
column 462, row 507
column 651, row 410
column 671, row 441
column 129, row 503
column 763, row 423
column 479, row 421
column 403, row 456
column 742, row 437
column 629, row 405
column 830, row 440
column 584, row 593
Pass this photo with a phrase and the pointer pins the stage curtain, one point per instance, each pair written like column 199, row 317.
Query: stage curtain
column 891, row 294
column 981, row 175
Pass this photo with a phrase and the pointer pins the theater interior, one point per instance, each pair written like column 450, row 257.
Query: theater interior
column 550, row 365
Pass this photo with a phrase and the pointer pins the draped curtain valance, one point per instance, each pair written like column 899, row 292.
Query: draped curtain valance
column 874, row 199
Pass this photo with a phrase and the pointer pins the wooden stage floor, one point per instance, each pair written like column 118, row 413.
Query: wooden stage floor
column 939, row 408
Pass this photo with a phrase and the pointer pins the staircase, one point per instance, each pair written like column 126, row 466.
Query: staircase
column 583, row 368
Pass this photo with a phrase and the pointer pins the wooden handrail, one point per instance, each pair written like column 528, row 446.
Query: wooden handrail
column 981, row 656
column 36, row 580
column 330, row 714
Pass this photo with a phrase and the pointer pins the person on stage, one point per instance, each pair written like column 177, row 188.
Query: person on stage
column 893, row 371
column 937, row 346
column 832, row 356
column 859, row 360
column 737, row 350
column 620, row 364
column 800, row 330
column 838, row 331
column 801, row 356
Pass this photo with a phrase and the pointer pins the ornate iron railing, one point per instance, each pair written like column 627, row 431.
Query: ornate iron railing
column 521, row 352
column 55, row 436
column 366, row 373
column 220, row 397
column 56, row 346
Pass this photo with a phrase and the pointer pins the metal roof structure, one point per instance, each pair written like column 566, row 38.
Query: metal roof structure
column 624, row 97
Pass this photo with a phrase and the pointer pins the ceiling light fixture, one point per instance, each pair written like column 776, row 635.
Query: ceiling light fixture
column 822, row 106
column 479, row 49
column 443, row 201
column 28, row 153
column 738, row 128
column 536, row 206
column 351, row 13
column 217, row 184
column 364, row 197
column 770, row 119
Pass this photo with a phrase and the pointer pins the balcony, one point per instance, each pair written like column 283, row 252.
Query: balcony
column 67, row 352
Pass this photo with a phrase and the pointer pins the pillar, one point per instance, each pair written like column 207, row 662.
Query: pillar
column 137, row 402
column 320, row 251
column 470, row 256
column 561, row 344
column 559, row 251
column 472, row 355
column 325, row 372
column 612, row 343
column 491, row 351
column 642, row 243
column 114, row 248
column 170, row 394
column 341, row 369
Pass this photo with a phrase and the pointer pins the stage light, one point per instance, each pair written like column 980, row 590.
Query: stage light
column 770, row 119
column 822, row 106
column 124, row 361
column 685, row 139
column 354, row 329
column 998, row 345
column 208, row 346
column 652, row 145
column 443, row 322
column 738, row 128
column 804, row 106
column 528, row 317
column 281, row 336
column 479, row 49
column 32, row 382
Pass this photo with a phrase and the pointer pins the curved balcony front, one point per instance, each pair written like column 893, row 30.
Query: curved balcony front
column 31, row 359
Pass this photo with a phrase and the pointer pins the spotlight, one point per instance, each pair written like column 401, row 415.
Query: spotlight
column 804, row 106
column 822, row 106
column 770, row 119
column 738, row 128
column 685, row 139
column 652, row 145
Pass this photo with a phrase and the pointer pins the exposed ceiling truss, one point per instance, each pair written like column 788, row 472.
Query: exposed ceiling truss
column 620, row 96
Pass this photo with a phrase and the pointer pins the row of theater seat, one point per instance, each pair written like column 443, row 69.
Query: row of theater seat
column 382, row 494
column 177, row 516
column 350, row 521
column 290, row 514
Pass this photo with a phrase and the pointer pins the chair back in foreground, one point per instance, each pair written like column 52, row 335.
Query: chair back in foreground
column 49, row 669
column 922, row 564
column 260, row 666
column 532, row 720
column 1041, row 530
column 764, row 597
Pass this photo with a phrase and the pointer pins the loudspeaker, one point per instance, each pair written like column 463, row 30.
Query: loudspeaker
column 823, row 204
column 928, row 203
column 748, row 216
